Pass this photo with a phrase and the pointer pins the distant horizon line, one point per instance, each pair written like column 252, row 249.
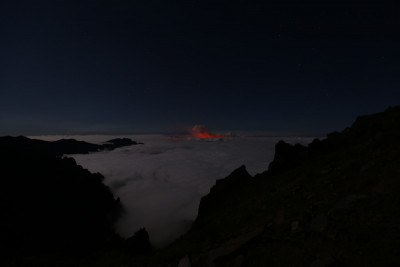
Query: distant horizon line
column 233, row 134
column 252, row 133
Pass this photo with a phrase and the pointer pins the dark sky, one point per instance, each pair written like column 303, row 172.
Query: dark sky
column 155, row 66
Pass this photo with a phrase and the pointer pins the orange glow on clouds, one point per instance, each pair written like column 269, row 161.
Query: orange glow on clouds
column 199, row 131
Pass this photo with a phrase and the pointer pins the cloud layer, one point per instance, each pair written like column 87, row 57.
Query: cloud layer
column 161, row 182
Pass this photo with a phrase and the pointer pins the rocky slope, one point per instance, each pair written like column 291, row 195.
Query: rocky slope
column 333, row 203
column 52, row 210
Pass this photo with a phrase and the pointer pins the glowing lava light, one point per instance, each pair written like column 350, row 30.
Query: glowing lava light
column 199, row 131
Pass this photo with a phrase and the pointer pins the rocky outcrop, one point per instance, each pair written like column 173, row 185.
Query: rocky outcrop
column 223, row 190
column 287, row 157
column 332, row 203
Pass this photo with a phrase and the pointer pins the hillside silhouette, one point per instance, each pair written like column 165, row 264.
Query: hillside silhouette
column 52, row 208
column 333, row 203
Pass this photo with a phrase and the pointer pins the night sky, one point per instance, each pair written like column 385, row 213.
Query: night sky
column 73, row 67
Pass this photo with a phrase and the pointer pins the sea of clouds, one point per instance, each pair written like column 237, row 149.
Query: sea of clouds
column 161, row 182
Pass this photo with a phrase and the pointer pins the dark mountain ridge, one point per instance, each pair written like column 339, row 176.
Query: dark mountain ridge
column 333, row 203
column 59, row 147
column 52, row 208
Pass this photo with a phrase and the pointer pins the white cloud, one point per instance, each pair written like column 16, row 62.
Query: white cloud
column 161, row 182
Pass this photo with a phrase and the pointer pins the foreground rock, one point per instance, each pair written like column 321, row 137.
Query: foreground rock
column 333, row 203
column 51, row 208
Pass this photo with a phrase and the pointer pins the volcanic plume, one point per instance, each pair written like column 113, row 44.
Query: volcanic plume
column 199, row 131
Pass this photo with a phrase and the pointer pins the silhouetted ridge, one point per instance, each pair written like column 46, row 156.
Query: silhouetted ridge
column 376, row 129
column 119, row 142
column 287, row 156
column 332, row 203
column 59, row 147
column 224, row 188
column 49, row 204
